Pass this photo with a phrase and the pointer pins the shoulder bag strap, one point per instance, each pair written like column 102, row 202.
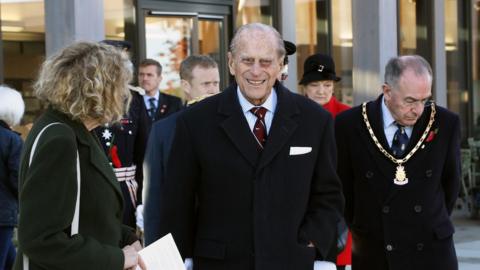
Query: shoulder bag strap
column 76, row 215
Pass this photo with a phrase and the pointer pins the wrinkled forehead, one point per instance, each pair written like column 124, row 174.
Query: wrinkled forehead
column 258, row 43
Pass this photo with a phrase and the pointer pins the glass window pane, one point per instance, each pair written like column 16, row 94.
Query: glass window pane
column 456, row 53
column 249, row 11
column 23, row 41
column 342, row 49
column 169, row 41
column 209, row 38
column 475, row 45
column 415, row 27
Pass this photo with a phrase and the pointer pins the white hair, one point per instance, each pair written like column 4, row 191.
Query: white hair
column 12, row 106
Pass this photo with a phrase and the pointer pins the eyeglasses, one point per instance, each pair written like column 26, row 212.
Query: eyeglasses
column 414, row 103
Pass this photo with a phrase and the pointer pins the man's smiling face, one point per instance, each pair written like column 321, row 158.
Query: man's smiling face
column 256, row 65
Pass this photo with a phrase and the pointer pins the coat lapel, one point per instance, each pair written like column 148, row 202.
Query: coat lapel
column 235, row 125
column 384, row 165
column 163, row 106
column 283, row 126
column 88, row 140
column 98, row 158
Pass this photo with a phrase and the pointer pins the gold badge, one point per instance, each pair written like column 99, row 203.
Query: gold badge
column 400, row 176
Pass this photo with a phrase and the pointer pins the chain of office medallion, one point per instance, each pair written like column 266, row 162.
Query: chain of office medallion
column 380, row 147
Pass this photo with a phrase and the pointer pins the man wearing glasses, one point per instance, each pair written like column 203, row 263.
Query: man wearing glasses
column 399, row 162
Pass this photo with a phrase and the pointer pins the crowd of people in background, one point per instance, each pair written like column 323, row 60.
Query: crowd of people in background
column 254, row 176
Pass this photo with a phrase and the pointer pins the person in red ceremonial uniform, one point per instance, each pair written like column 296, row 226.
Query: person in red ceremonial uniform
column 318, row 82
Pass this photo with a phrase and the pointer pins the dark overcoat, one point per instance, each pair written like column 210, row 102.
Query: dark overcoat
column 48, row 189
column 10, row 148
column 155, row 165
column 231, row 206
column 399, row 227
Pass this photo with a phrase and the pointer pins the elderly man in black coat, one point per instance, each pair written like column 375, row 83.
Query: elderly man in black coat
column 399, row 161
column 252, row 182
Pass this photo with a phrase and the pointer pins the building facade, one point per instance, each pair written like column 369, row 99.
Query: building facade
column 360, row 35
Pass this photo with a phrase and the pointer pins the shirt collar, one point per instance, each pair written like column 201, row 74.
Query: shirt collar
column 157, row 96
column 270, row 103
column 388, row 119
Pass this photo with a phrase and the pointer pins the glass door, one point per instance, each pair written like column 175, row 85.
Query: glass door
column 170, row 37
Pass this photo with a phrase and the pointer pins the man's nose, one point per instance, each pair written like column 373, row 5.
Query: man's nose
column 256, row 69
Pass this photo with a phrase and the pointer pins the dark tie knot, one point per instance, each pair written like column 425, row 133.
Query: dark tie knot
column 401, row 128
column 152, row 101
column 259, row 112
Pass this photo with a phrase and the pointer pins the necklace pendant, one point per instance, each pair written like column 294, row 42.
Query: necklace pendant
column 400, row 176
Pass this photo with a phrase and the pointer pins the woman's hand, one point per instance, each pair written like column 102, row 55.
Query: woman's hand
column 131, row 257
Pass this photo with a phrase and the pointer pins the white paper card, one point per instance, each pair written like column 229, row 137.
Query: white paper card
column 162, row 255
column 300, row 150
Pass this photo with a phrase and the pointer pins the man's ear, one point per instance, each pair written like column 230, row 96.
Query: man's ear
column 230, row 64
column 387, row 90
column 187, row 88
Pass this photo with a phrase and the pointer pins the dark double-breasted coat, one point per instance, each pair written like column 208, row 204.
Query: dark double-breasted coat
column 230, row 206
column 397, row 227
column 48, row 189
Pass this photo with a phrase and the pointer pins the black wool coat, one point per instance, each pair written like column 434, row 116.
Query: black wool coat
column 230, row 206
column 399, row 227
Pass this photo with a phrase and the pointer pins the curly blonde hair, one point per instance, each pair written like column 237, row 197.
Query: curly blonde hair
column 88, row 81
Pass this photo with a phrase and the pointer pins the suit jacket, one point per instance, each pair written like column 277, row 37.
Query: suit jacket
column 167, row 104
column 231, row 206
column 155, row 164
column 10, row 147
column 48, row 189
column 399, row 227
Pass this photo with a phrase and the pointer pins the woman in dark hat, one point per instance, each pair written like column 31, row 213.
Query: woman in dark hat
column 318, row 82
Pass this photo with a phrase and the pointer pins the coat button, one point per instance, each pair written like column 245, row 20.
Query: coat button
column 417, row 208
column 369, row 174
column 389, row 247
column 386, row 209
column 420, row 246
column 428, row 173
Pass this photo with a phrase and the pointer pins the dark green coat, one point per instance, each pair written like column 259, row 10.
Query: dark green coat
column 48, row 191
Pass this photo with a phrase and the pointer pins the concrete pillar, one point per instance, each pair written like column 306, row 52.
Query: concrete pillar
column 374, row 43
column 439, row 56
column 72, row 20
column 289, row 31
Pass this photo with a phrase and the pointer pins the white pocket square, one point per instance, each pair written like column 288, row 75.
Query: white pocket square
column 299, row 150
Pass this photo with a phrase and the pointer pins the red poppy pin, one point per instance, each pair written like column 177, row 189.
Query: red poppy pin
column 431, row 135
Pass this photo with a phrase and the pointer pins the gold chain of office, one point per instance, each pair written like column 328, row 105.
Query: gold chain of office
column 400, row 174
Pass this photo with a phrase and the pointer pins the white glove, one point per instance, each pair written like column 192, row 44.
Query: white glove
column 324, row 265
column 139, row 216
column 188, row 264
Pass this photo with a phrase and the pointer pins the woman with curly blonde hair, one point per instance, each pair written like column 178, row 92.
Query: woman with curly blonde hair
column 66, row 223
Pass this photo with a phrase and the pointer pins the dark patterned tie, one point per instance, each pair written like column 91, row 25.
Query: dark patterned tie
column 399, row 142
column 153, row 108
column 259, row 129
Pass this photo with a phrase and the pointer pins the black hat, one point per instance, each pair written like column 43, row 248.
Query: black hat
column 121, row 44
column 318, row 67
column 290, row 49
